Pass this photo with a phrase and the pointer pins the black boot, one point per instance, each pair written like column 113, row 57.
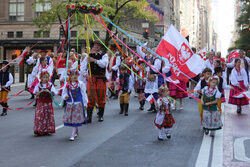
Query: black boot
column 126, row 109
column 239, row 109
column 122, row 108
column 151, row 107
column 100, row 115
column 89, row 115
column 35, row 103
column 142, row 103
column 32, row 96
column 64, row 103
column 5, row 106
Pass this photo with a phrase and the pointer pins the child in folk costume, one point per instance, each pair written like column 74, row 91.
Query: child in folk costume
column 140, row 83
column 76, row 101
column 44, row 113
column 211, row 117
column 164, row 120
column 151, row 88
column 6, row 79
column 207, row 73
column 178, row 91
column 239, row 83
column 125, row 87
column 221, row 86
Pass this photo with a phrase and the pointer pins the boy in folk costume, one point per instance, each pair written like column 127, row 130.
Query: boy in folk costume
column 211, row 117
column 239, row 83
column 140, row 83
column 207, row 73
column 97, row 81
column 76, row 102
column 210, row 61
column 125, row 87
column 6, row 79
column 44, row 113
column 164, row 120
column 113, row 68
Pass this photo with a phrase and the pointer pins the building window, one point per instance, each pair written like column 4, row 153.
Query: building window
column 19, row 34
column 41, row 7
column 73, row 34
column 46, row 34
column 11, row 34
column 157, row 2
column 37, row 34
column 16, row 10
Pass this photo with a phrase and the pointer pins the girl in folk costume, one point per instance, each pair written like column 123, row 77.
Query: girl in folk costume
column 164, row 120
column 239, row 83
column 211, row 117
column 221, row 86
column 76, row 101
column 62, row 63
column 140, row 84
column 44, row 113
column 6, row 79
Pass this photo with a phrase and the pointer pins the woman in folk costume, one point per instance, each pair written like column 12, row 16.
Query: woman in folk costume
column 140, row 83
column 113, row 69
column 164, row 120
column 211, row 117
column 44, row 113
column 76, row 102
column 239, row 83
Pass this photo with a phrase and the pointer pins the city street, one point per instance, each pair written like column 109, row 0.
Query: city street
column 122, row 141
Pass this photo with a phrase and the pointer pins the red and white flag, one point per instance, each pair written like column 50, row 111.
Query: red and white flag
column 20, row 59
column 202, row 53
column 173, row 79
column 176, row 49
column 233, row 55
column 245, row 94
column 150, row 99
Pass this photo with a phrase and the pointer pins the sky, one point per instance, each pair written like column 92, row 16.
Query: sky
column 223, row 17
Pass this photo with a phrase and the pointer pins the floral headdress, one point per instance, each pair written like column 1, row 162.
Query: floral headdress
column 73, row 71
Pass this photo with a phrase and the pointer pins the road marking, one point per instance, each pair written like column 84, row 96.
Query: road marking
column 239, row 149
column 59, row 127
column 217, row 158
column 204, row 152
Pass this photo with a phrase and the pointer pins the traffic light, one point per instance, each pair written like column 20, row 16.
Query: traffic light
column 145, row 34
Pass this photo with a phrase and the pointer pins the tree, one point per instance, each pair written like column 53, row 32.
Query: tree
column 116, row 11
column 243, row 42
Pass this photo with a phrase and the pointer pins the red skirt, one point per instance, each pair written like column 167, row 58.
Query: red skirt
column 176, row 92
column 44, row 118
column 168, row 122
column 235, row 90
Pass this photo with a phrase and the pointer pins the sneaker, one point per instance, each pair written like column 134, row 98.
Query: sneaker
column 169, row 136
column 206, row 132
column 100, row 119
column 160, row 139
column 72, row 138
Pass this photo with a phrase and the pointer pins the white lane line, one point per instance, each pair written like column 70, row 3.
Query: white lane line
column 59, row 127
column 203, row 157
column 217, row 159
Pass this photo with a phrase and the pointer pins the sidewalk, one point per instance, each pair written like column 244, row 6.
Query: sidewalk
column 236, row 142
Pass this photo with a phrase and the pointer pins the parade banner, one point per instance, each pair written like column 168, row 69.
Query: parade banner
column 176, row 49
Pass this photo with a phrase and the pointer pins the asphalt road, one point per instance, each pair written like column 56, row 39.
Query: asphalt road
column 118, row 141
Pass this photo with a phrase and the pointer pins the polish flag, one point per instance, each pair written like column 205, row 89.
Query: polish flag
column 173, row 79
column 233, row 55
column 176, row 49
column 20, row 59
column 150, row 99
column 202, row 53
column 245, row 94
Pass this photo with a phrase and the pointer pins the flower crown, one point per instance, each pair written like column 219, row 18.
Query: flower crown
column 73, row 71
column 44, row 72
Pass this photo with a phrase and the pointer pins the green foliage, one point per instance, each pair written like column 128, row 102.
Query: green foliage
column 115, row 10
column 243, row 42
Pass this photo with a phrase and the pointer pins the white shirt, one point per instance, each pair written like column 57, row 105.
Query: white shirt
column 235, row 78
column 44, row 86
column 9, row 82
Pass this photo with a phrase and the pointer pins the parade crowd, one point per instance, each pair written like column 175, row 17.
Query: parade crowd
column 87, row 81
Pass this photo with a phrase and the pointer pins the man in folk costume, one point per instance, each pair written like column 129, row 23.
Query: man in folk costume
column 113, row 68
column 97, row 81
column 245, row 62
column 30, row 61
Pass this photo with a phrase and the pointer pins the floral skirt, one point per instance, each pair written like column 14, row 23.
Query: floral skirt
column 44, row 119
column 167, row 122
column 176, row 92
column 235, row 90
column 211, row 120
column 74, row 115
